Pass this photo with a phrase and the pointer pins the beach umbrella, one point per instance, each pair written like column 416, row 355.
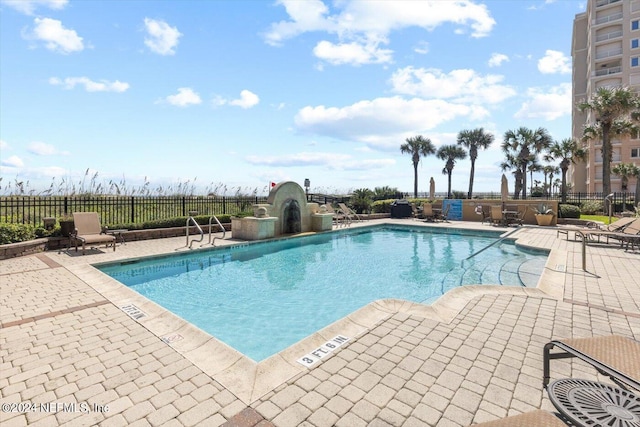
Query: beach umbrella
column 432, row 189
column 504, row 189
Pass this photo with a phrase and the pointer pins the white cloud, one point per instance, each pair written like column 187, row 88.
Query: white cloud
column 247, row 99
column 459, row 85
column 548, row 105
column 90, row 85
column 162, row 37
column 56, row 37
column 360, row 26
column 422, row 48
column 383, row 121
column 28, row 7
column 497, row 59
column 41, row 149
column 333, row 161
column 4, row 145
column 185, row 96
column 554, row 62
column 352, row 53
column 12, row 162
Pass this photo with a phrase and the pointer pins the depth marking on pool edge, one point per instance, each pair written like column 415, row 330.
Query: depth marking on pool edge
column 323, row 351
column 132, row 311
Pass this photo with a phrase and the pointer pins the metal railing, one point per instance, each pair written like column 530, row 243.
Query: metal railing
column 119, row 209
column 224, row 231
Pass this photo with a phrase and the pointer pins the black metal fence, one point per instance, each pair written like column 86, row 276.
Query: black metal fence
column 138, row 209
column 119, row 209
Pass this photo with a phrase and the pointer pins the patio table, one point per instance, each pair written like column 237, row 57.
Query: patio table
column 589, row 403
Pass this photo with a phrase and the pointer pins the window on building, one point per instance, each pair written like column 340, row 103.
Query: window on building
column 635, row 153
column 635, row 43
column 635, row 61
column 635, row 25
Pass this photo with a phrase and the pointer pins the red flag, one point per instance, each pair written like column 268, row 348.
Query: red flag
column 273, row 184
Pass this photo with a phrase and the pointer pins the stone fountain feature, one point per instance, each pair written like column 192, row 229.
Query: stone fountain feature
column 286, row 212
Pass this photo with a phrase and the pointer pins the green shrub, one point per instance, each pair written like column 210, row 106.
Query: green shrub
column 591, row 207
column 568, row 211
column 382, row 206
column 175, row 222
column 361, row 200
column 13, row 233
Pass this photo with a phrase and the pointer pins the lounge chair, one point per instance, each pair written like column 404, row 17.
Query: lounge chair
column 614, row 356
column 627, row 233
column 338, row 216
column 350, row 213
column 88, row 231
column 537, row 418
column 617, row 226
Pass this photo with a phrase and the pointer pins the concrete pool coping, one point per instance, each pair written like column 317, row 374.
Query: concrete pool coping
column 249, row 380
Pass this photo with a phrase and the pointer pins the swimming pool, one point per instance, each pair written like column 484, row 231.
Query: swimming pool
column 261, row 298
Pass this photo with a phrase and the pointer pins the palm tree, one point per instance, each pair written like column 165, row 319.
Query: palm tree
column 549, row 171
column 525, row 145
column 417, row 146
column 450, row 153
column 624, row 171
column 533, row 167
column 636, row 174
column 613, row 108
column 568, row 151
column 473, row 140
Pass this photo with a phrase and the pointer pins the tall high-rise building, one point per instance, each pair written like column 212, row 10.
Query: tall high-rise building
column 606, row 52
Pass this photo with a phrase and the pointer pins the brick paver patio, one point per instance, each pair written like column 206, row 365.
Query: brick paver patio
column 62, row 342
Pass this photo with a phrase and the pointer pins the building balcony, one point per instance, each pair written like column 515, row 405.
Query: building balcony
column 608, row 71
column 610, row 18
column 601, row 3
column 608, row 53
column 609, row 36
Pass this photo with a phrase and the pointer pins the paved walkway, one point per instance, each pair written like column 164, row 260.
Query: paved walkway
column 70, row 356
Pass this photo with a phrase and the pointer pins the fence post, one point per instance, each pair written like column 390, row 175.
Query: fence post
column 184, row 206
column 224, row 205
column 66, row 205
column 133, row 209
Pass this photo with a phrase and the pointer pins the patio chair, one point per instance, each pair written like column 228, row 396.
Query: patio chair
column 88, row 231
column 416, row 212
column 612, row 355
column 484, row 213
column 427, row 212
column 537, row 418
column 445, row 213
column 496, row 215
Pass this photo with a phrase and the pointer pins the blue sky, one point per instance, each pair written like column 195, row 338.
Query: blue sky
column 236, row 94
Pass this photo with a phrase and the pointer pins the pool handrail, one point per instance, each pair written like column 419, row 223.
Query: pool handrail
column 489, row 245
column 192, row 219
column 584, row 245
column 224, row 231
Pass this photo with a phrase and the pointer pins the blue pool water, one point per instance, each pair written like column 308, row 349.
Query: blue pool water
column 261, row 298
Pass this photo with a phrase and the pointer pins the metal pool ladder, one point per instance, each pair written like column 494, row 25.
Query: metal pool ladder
column 192, row 220
column 224, row 231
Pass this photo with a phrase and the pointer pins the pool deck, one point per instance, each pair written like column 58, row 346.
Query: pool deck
column 69, row 333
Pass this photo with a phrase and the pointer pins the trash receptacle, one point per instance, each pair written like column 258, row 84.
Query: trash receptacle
column 400, row 209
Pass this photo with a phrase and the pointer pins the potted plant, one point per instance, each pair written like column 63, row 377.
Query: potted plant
column 66, row 225
column 544, row 214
